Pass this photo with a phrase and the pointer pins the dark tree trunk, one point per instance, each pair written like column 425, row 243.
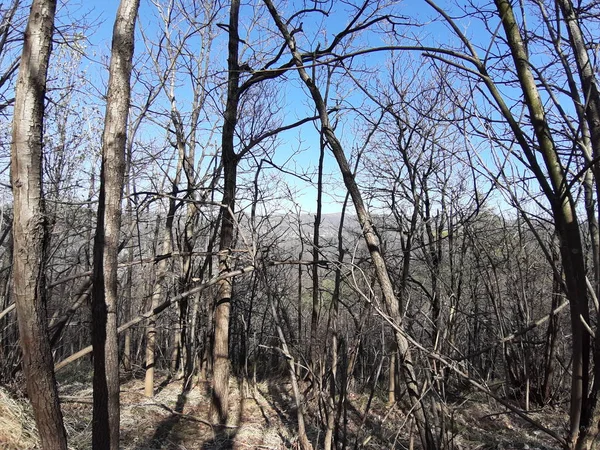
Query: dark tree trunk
column 316, row 295
column 221, row 366
column 105, row 424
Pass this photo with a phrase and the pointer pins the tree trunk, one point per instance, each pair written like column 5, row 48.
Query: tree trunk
column 105, row 424
column 220, row 382
column 565, row 218
column 589, row 431
column 29, row 225
column 369, row 234
column 316, row 294
column 166, row 248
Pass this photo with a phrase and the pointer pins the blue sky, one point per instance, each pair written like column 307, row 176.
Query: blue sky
column 296, row 102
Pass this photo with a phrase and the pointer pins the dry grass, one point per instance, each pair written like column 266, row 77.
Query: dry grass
column 17, row 427
column 263, row 418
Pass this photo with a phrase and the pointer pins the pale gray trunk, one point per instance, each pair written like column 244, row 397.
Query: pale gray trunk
column 29, row 225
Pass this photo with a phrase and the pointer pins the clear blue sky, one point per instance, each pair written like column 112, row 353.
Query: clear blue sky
column 298, row 103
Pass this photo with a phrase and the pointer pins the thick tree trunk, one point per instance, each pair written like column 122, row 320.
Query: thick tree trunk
column 220, row 382
column 105, row 424
column 29, row 225
column 565, row 219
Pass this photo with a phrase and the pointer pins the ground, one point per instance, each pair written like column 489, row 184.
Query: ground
column 264, row 418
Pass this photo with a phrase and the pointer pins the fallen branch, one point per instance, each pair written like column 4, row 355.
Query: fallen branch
column 160, row 308
column 75, row 399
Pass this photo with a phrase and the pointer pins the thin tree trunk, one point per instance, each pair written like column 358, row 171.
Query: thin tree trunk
column 369, row 234
column 299, row 292
column 166, row 248
column 303, row 439
column 106, row 410
column 316, row 295
column 127, row 353
column 29, row 225
column 392, row 376
column 129, row 299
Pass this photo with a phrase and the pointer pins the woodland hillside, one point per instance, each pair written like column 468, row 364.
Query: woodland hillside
column 334, row 224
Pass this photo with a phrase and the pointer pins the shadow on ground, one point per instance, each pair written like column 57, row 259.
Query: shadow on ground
column 164, row 430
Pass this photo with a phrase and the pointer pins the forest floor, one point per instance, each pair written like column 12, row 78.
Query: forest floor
column 264, row 418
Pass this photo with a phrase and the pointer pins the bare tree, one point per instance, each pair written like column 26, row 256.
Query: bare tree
column 230, row 160
column 369, row 233
column 29, row 225
column 539, row 142
column 105, row 428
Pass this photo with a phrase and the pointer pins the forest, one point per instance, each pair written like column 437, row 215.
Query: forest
column 305, row 224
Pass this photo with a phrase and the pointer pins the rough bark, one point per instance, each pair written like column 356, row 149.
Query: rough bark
column 105, row 423
column 220, row 383
column 29, row 225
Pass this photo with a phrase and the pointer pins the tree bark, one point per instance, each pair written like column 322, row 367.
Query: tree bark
column 220, row 382
column 567, row 228
column 29, row 225
column 105, row 423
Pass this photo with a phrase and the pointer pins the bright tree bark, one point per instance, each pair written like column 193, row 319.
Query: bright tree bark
column 29, row 225
column 105, row 425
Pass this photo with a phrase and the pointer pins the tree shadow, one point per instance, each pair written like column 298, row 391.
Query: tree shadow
column 284, row 405
column 166, row 426
column 223, row 439
column 164, row 384
column 280, row 403
column 373, row 427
